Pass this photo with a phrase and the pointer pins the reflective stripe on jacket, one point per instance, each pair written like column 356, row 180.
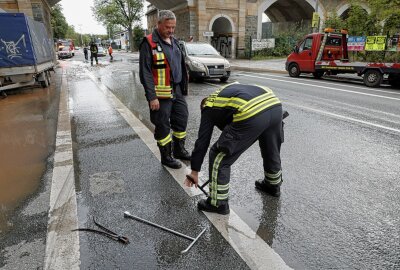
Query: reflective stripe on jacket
column 161, row 70
column 244, row 106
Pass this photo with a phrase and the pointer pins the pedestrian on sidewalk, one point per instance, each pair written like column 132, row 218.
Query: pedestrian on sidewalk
column 85, row 52
column 164, row 78
column 110, row 51
column 245, row 114
column 93, row 53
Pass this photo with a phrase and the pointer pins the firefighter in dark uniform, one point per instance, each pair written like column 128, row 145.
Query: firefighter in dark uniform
column 93, row 53
column 245, row 114
column 163, row 75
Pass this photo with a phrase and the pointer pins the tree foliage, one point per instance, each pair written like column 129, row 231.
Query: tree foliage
column 124, row 13
column 58, row 22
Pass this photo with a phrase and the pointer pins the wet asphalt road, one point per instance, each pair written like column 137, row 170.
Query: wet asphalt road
column 339, row 203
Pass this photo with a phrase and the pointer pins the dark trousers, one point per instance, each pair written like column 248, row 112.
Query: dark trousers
column 173, row 114
column 237, row 137
column 86, row 56
column 93, row 55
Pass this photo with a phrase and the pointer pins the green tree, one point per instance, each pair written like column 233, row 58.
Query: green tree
column 58, row 22
column 138, row 34
column 124, row 13
column 334, row 21
column 358, row 22
column 385, row 12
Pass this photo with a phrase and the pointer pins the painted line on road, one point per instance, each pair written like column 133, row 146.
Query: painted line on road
column 62, row 244
column 344, row 117
column 329, row 83
column 336, row 115
column 324, row 87
column 251, row 248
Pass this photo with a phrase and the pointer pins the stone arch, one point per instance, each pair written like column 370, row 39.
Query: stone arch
column 223, row 39
column 267, row 3
column 344, row 7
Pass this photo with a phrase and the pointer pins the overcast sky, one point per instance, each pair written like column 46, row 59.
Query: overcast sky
column 79, row 14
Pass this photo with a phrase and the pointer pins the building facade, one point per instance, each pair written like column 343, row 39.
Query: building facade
column 229, row 24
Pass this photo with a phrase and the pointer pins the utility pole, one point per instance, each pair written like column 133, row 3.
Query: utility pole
column 80, row 31
column 315, row 18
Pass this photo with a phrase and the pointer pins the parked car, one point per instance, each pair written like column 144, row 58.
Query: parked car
column 205, row 62
column 101, row 52
column 64, row 52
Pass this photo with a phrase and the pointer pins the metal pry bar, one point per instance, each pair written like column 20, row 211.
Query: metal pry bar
column 194, row 240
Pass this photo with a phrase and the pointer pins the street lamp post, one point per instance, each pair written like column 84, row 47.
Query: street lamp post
column 80, row 31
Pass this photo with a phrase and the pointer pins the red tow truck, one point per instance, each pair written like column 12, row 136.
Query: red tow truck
column 326, row 53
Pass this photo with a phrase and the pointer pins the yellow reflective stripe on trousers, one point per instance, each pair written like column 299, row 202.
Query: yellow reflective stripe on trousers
column 179, row 135
column 214, row 178
column 273, row 178
column 165, row 141
column 223, row 187
column 256, row 109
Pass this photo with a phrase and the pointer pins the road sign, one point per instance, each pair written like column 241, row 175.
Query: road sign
column 375, row 43
column 259, row 44
column 208, row 34
column 315, row 20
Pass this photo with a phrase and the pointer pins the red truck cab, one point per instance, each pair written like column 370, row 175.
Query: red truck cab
column 311, row 49
column 320, row 53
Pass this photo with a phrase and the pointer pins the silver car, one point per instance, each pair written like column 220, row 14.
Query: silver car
column 205, row 62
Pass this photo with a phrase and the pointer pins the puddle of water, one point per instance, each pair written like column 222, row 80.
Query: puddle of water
column 27, row 133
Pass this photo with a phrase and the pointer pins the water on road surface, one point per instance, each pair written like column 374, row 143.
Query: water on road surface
column 26, row 138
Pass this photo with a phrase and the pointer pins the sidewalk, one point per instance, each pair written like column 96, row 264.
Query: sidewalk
column 274, row 65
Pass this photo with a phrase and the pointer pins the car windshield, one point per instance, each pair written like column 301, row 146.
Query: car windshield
column 65, row 49
column 200, row 49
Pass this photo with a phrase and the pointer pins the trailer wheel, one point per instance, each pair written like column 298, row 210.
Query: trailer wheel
column 373, row 78
column 294, row 70
column 318, row 74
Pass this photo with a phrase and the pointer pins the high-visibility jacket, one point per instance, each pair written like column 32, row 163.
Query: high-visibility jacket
column 244, row 101
column 161, row 70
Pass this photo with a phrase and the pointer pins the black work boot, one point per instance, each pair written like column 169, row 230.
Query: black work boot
column 273, row 190
column 179, row 149
column 205, row 205
column 166, row 157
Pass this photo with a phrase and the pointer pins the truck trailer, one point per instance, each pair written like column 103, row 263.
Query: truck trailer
column 26, row 52
column 326, row 53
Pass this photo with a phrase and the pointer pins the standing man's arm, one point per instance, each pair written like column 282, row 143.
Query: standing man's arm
column 201, row 146
column 146, row 75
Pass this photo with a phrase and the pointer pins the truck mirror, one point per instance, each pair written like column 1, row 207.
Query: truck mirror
column 296, row 49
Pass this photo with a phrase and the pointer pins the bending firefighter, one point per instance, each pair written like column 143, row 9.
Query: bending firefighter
column 245, row 114
column 163, row 75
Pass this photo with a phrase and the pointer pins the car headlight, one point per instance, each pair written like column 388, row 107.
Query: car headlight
column 227, row 64
column 198, row 65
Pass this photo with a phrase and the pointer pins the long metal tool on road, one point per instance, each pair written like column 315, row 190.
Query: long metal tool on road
column 194, row 240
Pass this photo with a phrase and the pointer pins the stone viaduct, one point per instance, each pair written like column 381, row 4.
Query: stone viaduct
column 233, row 22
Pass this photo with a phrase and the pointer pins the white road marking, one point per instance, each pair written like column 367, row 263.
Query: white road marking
column 329, row 83
column 62, row 245
column 344, row 117
column 324, row 87
column 252, row 249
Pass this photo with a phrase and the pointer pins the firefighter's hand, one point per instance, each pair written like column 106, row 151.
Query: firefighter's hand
column 192, row 179
column 154, row 105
